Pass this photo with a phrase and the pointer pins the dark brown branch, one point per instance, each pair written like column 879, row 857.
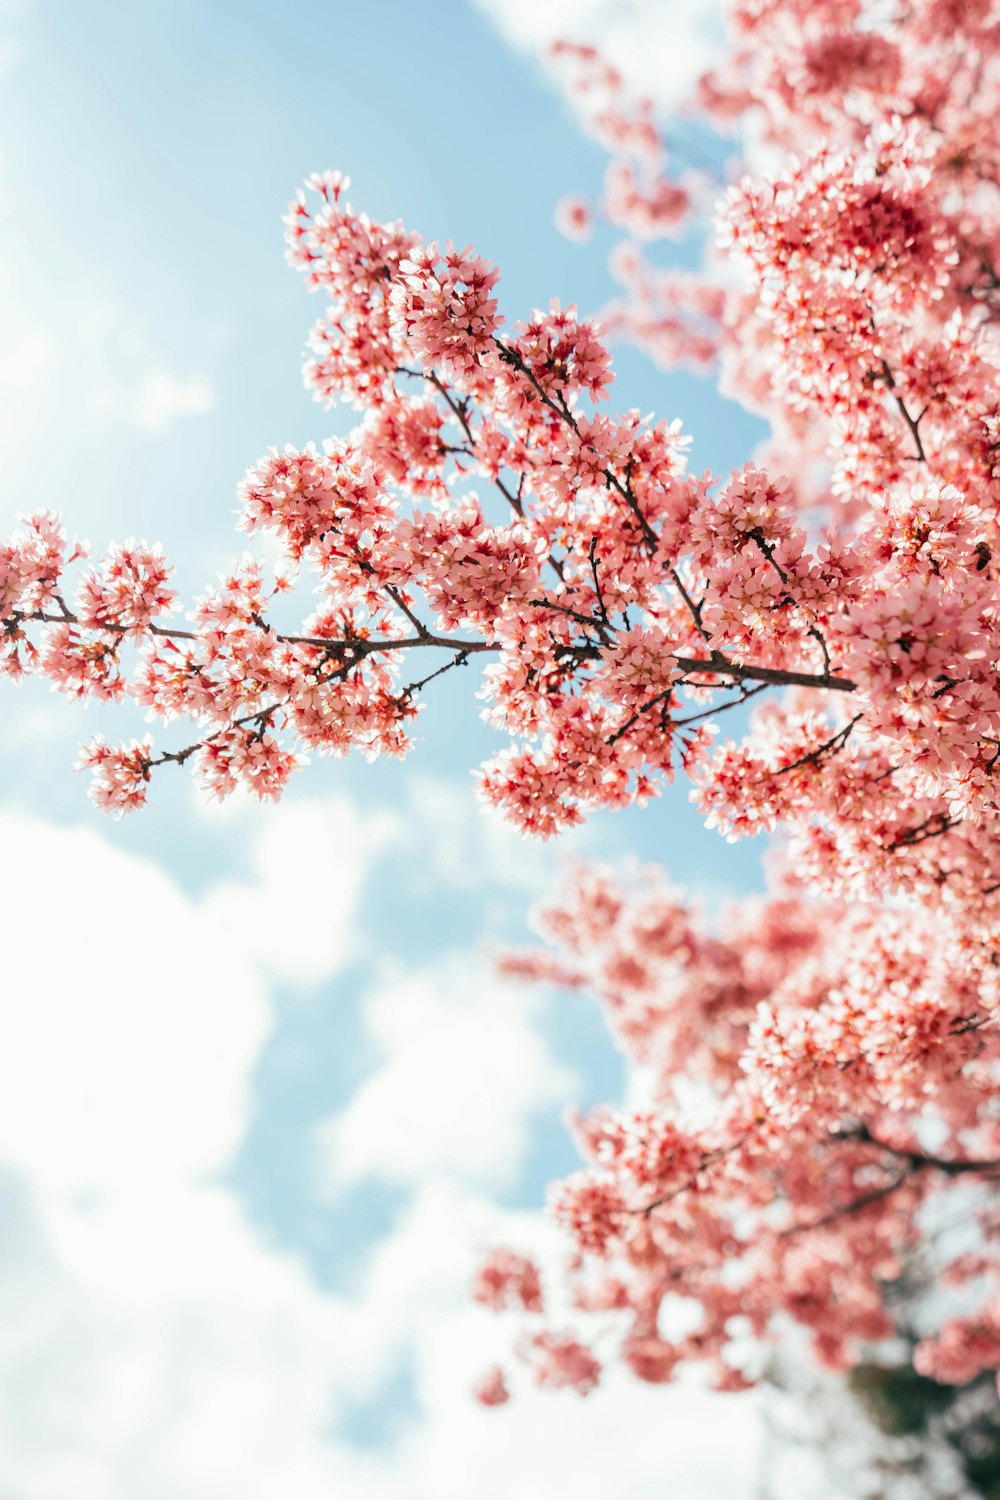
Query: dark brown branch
column 812, row 628
column 512, row 357
column 931, row 828
column 723, row 667
column 359, row 646
column 835, row 742
column 459, row 660
column 397, row 598
column 589, row 622
column 718, row 708
column 913, row 423
column 260, row 716
column 633, row 720
column 911, row 1161
column 920, row 1160
column 710, row 1159
column 844, row 1210
column 460, row 411
column 595, row 563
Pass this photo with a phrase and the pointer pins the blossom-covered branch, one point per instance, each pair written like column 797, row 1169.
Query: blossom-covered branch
column 665, row 586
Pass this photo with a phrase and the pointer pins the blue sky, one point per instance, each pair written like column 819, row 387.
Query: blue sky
column 246, row 1174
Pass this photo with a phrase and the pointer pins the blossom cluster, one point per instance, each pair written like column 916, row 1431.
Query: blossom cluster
column 795, row 1060
column 640, row 195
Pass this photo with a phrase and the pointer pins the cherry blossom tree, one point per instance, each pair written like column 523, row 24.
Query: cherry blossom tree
column 818, row 1072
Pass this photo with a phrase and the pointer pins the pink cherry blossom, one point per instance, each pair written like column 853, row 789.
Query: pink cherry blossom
column 507, row 1279
column 490, row 1389
column 573, row 219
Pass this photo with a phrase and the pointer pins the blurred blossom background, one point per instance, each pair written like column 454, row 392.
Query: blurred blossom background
column 262, row 1100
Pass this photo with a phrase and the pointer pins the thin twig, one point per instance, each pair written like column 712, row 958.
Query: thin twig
column 460, row 660
column 913, row 423
column 854, row 1207
column 835, row 742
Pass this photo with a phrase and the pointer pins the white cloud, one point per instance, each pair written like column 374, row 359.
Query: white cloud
column 624, row 1442
column 163, row 398
column 209, row 1373
column 660, row 49
column 90, row 339
column 152, row 1343
column 25, row 359
column 126, row 381
column 31, row 722
column 465, row 1072
column 10, row 44
column 223, row 1372
column 474, row 847
column 297, row 914
column 29, row 354
column 130, row 1025
column 134, row 1014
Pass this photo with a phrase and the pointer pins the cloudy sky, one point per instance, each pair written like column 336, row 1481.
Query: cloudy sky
column 262, row 1101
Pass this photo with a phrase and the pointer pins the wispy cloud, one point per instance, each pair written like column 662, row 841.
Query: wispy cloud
column 660, row 49
column 180, row 1356
column 295, row 912
column 464, row 1071
column 178, row 1352
column 162, row 399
